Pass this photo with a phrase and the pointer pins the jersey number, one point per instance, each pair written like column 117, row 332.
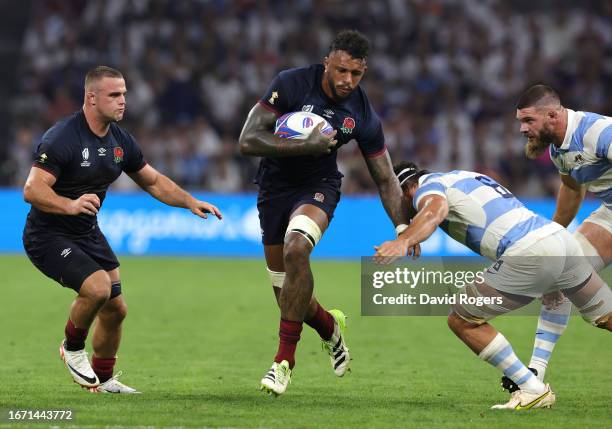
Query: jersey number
column 496, row 186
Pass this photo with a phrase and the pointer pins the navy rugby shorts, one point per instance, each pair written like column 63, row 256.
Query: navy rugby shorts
column 69, row 260
column 275, row 206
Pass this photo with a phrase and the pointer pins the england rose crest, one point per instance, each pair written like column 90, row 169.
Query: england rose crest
column 118, row 153
column 348, row 125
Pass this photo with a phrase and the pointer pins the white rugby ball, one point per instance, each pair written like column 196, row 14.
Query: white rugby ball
column 299, row 125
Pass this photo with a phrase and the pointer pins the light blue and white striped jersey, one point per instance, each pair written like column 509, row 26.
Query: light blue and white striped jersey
column 585, row 153
column 483, row 215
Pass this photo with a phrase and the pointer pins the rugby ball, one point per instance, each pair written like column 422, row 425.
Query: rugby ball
column 299, row 125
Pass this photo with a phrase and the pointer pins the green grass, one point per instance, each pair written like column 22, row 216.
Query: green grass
column 201, row 333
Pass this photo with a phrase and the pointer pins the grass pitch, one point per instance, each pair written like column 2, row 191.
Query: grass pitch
column 201, row 333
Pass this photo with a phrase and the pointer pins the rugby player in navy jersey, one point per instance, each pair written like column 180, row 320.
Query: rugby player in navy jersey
column 76, row 161
column 299, row 188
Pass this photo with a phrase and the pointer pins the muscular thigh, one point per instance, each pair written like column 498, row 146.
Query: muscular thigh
column 599, row 237
column 277, row 207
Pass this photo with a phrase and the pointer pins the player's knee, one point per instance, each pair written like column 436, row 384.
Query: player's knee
column 459, row 324
column 120, row 313
column 113, row 316
column 455, row 323
column 96, row 288
column 99, row 293
column 114, row 312
column 296, row 251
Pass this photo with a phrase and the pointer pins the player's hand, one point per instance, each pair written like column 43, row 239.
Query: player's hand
column 552, row 300
column 415, row 251
column 201, row 208
column 391, row 251
column 88, row 204
column 318, row 144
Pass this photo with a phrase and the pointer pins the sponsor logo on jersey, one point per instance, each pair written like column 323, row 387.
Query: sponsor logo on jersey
column 328, row 113
column 319, row 197
column 85, row 154
column 66, row 252
column 102, row 151
column 307, row 108
column 43, row 158
column 578, row 159
column 118, row 153
column 348, row 125
column 273, row 97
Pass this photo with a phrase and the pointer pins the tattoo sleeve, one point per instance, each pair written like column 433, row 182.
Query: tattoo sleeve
column 257, row 137
column 391, row 195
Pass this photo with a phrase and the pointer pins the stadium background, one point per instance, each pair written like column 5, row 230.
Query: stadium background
column 443, row 76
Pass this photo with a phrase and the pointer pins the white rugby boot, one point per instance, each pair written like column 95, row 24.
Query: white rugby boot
column 78, row 366
column 336, row 347
column 520, row 400
column 113, row 385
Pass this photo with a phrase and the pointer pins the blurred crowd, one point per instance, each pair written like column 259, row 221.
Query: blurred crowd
column 444, row 76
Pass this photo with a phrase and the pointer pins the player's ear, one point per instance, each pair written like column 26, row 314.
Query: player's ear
column 325, row 62
column 90, row 96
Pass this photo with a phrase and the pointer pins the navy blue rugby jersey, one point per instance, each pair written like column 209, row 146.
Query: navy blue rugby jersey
column 300, row 89
column 82, row 163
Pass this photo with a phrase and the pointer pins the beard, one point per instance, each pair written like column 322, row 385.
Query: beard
column 536, row 146
column 335, row 95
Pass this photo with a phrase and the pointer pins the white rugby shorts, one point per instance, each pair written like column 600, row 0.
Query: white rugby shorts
column 555, row 262
column 602, row 217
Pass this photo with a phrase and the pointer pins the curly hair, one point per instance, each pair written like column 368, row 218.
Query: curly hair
column 352, row 42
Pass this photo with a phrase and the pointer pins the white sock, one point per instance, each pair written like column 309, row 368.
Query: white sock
column 499, row 353
column 551, row 325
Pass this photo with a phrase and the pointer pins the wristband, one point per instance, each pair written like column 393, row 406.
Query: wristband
column 400, row 228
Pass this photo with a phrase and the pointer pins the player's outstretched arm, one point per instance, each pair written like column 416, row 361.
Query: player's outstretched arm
column 569, row 199
column 389, row 189
column 38, row 191
column 257, row 138
column 432, row 210
column 168, row 192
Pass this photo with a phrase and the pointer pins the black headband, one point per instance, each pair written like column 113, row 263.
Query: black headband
column 406, row 174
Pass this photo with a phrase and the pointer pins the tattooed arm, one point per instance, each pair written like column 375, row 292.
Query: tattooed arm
column 389, row 189
column 257, row 138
